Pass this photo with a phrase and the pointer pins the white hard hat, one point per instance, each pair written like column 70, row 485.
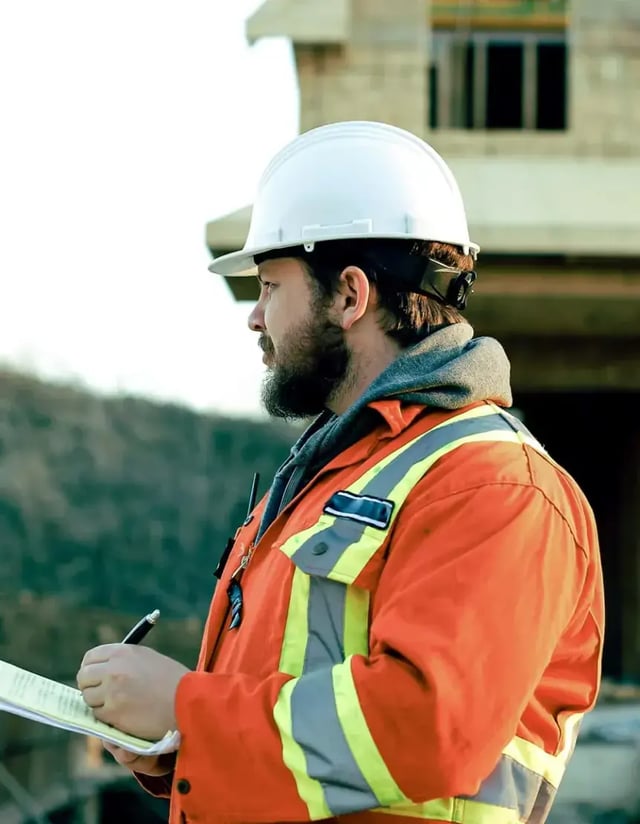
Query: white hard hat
column 355, row 179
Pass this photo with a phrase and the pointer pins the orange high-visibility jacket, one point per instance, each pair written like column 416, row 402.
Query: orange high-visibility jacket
column 421, row 634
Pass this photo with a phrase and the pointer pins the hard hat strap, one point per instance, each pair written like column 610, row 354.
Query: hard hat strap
column 452, row 286
column 411, row 272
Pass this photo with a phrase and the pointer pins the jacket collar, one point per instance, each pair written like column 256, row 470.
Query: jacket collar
column 396, row 415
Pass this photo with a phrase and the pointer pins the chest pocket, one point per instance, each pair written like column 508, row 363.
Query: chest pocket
column 337, row 563
column 341, row 544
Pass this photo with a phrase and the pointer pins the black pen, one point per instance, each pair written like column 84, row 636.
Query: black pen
column 137, row 633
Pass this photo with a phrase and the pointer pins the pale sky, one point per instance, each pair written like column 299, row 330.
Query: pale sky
column 126, row 126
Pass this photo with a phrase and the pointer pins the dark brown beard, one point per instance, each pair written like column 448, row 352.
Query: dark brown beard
column 312, row 363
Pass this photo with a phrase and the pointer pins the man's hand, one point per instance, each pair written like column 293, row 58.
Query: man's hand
column 132, row 688
column 155, row 765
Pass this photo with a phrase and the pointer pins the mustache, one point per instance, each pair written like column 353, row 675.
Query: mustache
column 266, row 344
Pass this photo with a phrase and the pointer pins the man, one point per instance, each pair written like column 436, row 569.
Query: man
column 410, row 623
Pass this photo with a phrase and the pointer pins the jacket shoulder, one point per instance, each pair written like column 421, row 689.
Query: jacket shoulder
column 501, row 467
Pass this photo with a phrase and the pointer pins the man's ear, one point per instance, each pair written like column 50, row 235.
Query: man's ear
column 352, row 296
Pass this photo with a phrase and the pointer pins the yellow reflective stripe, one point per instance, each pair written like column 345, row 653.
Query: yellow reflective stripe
column 550, row 767
column 356, row 622
column 352, row 562
column 523, row 437
column 477, row 412
column 467, row 811
column 309, row 790
column 569, row 736
column 475, row 812
column 533, row 443
column 296, row 631
column 290, row 546
column 375, row 536
column 455, row 810
column 358, row 485
column 440, row 809
column 404, row 487
column 360, row 741
column 293, row 543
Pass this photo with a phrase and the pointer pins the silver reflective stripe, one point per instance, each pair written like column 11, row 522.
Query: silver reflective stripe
column 515, row 787
column 390, row 476
column 325, row 642
column 316, row 728
column 515, row 423
column 542, row 805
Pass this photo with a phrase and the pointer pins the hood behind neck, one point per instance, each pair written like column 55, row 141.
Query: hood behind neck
column 450, row 369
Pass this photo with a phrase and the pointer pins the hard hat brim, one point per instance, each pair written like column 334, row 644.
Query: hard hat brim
column 242, row 263
column 238, row 264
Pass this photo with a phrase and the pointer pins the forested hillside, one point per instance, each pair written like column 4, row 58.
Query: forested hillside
column 121, row 502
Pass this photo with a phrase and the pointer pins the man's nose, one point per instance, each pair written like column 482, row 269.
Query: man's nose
column 256, row 319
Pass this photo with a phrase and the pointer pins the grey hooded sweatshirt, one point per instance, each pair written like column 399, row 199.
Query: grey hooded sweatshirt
column 450, row 369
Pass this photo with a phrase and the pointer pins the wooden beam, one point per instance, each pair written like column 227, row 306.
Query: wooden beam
column 573, row 364
column 564, row 316
column 302, row 21
column 497, row 14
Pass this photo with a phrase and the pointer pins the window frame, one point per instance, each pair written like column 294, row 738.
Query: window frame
column 449, row 97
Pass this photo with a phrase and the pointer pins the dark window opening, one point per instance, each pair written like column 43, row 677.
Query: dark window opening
column 433, row 96
column 469, row 71
column 504, row 86
column 498, row 80
column 552, row 86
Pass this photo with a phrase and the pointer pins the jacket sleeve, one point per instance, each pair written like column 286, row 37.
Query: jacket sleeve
column 475, row 594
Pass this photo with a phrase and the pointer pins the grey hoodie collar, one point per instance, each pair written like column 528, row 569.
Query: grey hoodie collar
column 447, row 370
column 450, row 369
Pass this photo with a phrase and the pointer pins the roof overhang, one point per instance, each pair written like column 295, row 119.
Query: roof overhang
column 560, row 245
column 302, row 21
column 586, row 207
column 554, row 205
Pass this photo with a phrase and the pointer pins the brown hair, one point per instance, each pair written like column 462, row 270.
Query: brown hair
column 406, row 316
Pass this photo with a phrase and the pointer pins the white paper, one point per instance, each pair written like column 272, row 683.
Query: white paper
column 59, row 705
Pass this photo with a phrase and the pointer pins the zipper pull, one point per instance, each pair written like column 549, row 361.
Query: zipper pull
column 234, row 590
column 244, row 563
column 234, row 593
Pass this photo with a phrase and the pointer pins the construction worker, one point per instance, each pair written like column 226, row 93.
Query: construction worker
column 410, row 622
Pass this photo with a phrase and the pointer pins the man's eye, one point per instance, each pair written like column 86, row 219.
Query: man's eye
column 266, row 284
